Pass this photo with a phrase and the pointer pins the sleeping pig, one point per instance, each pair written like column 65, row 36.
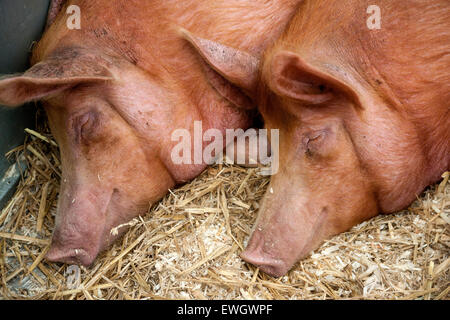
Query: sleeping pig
column 364, row 120
column 116, row 86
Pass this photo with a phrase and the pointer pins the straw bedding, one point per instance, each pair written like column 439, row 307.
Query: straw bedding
column 188, row 245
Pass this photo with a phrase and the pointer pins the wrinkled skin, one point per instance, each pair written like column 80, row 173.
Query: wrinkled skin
column 115, row 91
column 364, row 119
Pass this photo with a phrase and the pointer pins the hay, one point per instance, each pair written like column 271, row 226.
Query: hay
column 188, row 245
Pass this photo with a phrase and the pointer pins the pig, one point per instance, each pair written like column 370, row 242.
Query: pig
column 115, row 89
column 364, row 120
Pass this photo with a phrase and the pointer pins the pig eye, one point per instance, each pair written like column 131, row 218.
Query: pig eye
column 312, row 142
column 86, row 126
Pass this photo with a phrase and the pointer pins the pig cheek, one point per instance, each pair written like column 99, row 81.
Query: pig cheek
column 102, row 146
column 351, row 211
column 124, row 206
column 137, row 186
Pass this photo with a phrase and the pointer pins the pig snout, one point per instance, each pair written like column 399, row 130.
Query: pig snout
column 259, row 253
column 283, row 235
column 60, row 252
column 80, row 227
column 75, row 243
column 71, row 245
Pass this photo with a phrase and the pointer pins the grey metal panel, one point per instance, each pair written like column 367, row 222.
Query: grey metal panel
column 21, row 23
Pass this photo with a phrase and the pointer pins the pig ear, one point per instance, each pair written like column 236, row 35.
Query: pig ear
column 292, row 77
column 238, row 67
column 50, row 77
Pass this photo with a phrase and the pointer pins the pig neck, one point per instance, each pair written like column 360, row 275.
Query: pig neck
column 408, row 141
column 403, row 88
column 417, row 128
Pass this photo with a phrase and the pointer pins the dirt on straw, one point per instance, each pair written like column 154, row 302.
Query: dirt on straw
column 188, row 245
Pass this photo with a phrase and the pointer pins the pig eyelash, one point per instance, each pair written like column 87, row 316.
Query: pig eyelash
column 84, row 127
column 76, row 122
column 309, row 151
column 316, row 136
column 83, row 119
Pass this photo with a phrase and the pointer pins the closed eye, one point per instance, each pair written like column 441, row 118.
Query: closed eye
column 312, row 142
column 86, row 126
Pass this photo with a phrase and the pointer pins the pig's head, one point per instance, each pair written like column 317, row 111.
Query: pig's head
column 113, row 123
column 107, row 177
column 333, row 172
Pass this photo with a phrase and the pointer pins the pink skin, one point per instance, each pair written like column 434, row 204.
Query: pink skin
column 115, row 91
column 364, row 121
